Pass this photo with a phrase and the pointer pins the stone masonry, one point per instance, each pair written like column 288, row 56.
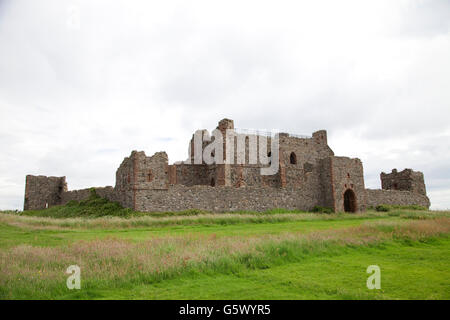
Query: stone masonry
column 309, row 175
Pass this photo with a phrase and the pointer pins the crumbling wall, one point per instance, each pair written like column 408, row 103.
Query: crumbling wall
column 406, row 180
column 395, row 197
column 83, row 194
column 42, row 192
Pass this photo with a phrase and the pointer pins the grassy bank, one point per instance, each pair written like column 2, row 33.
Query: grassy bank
column 95, row 207
column 307, row 256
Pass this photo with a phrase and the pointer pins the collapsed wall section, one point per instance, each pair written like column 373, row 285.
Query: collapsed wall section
column 83, row 194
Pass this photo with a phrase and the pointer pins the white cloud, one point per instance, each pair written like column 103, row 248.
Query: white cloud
column 145, row 74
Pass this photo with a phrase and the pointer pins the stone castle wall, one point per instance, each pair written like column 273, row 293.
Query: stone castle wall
column 225, row 199
column 221, row 199
column 309, row 174
column 395, row 197
column 314, row 191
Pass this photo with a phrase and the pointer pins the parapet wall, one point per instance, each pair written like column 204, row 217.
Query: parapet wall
column 395, row 197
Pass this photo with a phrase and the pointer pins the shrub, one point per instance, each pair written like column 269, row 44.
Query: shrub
column 386, row 208
column 72, row 203
column 322, row 209
column 409, row 207
column 281, row 210
column 382, row 208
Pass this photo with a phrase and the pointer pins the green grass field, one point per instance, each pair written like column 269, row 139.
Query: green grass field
column 197, row 255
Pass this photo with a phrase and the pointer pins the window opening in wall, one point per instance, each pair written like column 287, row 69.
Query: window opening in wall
column 293, row 158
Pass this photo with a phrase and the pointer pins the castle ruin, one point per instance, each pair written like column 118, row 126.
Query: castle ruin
column 308, row 175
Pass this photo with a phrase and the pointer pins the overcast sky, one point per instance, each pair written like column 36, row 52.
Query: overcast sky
column 83, row 83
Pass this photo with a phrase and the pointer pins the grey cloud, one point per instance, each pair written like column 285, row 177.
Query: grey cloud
column 146, row 75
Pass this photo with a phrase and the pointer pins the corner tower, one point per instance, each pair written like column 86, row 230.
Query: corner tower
column 406, row 180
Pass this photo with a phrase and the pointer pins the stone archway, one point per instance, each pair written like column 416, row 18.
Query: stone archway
column 350, row 201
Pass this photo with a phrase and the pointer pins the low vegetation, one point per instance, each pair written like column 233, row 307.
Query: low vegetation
column 386, row 208
column 198, row 255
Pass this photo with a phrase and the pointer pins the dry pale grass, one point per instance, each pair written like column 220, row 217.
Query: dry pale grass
column 109, row 259
column 46, row 223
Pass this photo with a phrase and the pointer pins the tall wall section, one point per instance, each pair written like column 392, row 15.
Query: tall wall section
column 83, row 194
column 348, row 175
column 42, row 192
column 139, row 173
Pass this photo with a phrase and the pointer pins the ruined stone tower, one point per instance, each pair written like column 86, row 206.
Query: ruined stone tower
column 406, row 180
column 43, row 192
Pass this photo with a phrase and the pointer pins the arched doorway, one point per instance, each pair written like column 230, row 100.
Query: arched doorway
column 349, row 201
